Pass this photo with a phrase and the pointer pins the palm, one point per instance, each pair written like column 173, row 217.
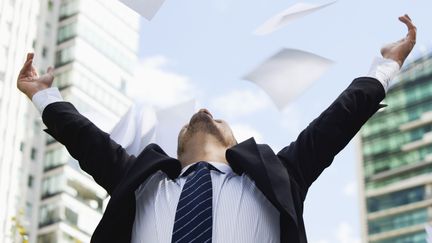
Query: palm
column 400, row 50
column 29, row 82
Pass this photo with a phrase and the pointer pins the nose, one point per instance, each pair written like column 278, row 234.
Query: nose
column 206, row 111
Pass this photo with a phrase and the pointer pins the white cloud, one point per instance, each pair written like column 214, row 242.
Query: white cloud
column 350, row 189
column 320, row 241
column 240, row 102
column 345, row 234
column 243, row 132
column 158, row 86
column 292, row 120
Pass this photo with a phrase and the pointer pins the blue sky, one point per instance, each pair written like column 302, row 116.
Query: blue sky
column 201, row 49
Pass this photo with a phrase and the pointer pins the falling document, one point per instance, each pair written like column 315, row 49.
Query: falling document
column 288, row 73
column 143, row 124
column 146, row 8
column 294, row 12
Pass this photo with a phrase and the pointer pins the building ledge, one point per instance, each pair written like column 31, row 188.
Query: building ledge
column 396, row 233
column 424, row 119
column 389, row 173
column 400, row 209
column 426, row 140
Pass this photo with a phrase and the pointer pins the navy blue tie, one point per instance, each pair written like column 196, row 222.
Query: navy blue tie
column 193, row 219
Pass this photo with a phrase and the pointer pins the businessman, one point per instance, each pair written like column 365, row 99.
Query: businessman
column 217, row 190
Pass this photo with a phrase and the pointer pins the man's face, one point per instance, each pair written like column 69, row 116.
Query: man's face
column 203, row 124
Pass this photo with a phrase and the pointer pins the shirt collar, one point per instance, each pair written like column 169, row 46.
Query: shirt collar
column 223, row 167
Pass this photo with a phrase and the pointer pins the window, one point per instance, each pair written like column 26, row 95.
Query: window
column 50, row 5
column 398, row 221
column 396, row 199
column 49, row 214
column 66, row 32
column 28, row 210
column 64, row 56
column 30, row 181
column 44, row 52
column 71, row 217
column 68, row 8
column 33, row 154
column 52, row 185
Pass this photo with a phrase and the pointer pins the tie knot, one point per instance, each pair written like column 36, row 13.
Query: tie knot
column 200, row 166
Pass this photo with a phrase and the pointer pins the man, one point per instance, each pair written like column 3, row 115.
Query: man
column 217, row 190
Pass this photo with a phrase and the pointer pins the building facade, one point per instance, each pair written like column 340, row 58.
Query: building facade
column 396, row 161
column 17, row 34
column 93, row 46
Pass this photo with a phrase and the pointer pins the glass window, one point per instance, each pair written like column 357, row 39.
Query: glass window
column 52, row 185
column 68, row 8
column 33, row 153
column 419, row 237
column 64, row 56
column 30, row 181
column 398, row 221
column 47, row 238
column 49, row 214
column 396, row 199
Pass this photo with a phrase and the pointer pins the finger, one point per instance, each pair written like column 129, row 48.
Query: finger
column 30, row 55
column 412, row 30
column 407, row 21
column 27, row 64
column 50, row 70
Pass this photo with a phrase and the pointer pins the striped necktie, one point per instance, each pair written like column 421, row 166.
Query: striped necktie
column 193, row 219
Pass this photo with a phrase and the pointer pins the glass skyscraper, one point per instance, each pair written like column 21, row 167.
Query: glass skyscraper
column 396, row 160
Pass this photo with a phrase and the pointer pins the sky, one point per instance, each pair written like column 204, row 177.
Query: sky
column 196, row 49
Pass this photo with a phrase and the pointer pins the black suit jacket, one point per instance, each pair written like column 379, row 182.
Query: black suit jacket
column 284, row 178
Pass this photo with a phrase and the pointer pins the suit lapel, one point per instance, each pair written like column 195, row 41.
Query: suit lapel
column 269, row 174
column 117, row 221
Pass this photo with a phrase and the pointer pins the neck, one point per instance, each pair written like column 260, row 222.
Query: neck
column 203, row 149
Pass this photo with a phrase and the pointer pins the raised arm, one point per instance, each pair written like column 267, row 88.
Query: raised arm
column 318, row 144
column 97, row 154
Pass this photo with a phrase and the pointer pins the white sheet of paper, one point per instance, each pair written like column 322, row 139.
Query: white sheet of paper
column 142, row 125
column 287, row 16
column 428, row 229
column 169, row 123
column 146, row 8
column 288, row 73
column 136, row 129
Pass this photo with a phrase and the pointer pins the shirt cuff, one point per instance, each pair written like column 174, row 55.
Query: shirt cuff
column 384, row 70
column 45, row 97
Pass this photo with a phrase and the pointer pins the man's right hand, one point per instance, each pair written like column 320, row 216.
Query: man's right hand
column 29, row 82
column 399, row 51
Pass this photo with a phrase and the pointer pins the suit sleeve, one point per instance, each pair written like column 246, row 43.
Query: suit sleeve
column 96, row 152
column 318, row 144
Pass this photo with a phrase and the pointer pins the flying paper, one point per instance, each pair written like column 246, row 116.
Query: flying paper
column 136, row 129
column 146, row 8
column 288, row 73
column 143, row 125
column 294, row 12
column 429, row 233
column 169, row 123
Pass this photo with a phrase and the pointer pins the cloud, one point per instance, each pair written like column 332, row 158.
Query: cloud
column 345, row 234
column 292, row 120
column 158, row 86
column 350, row 189
column 320, row 241
column 244, row 131
column 240, row 102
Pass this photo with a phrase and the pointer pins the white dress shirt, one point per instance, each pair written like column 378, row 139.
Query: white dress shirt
column 241, row 213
